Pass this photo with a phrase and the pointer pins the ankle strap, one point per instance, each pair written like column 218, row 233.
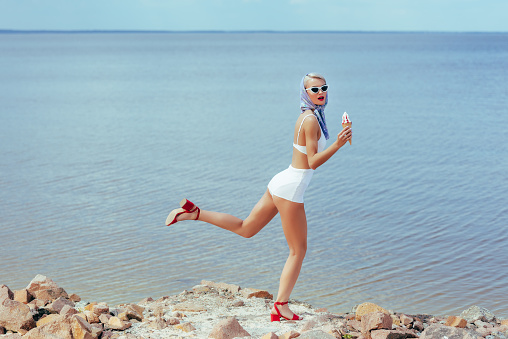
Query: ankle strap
column 281, row 303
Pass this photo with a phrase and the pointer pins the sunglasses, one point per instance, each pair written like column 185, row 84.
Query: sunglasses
column 323, row 88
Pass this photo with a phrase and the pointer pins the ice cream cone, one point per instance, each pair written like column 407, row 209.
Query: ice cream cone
column 347, row 124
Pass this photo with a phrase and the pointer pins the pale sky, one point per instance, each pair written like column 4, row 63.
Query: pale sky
column 248, row 15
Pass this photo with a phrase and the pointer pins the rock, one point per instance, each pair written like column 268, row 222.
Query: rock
column 16, row 316
column 480, row 323
column 75, row 298
column 100, row 309
column 228, row 328
column 477, row 313
column 255, row 293
column 418, row 325
column 406, row 320
column 366, row 308
column 5, row 293
column 238, row 303
column 354, row 325
column 49, row 318
column 316, row 334
column 132, row 311
column 43, row 288
column 441, row 331
column 12, row 336
column 91, row 317
column 57, row 305
column 90, row 306
column 116, row 323
column 38, row 303
column 376, row 321
column 2, row 330
column 396, row 320
column 186, row 327
column 158, row 311
column 60, row 327
column 188, row 306
column 289, row 335
column 201, row 289
column 222, row 286
column 270, row 335
column 484, row 331
column 158, row 324
column 308, row 325
column 23, row 296
column 97, row 330
column 454, row 321
column 104, row 318
column 67, row 309
column 504, row 322
column 81, row 329
column 392, row 334
column 173, row 321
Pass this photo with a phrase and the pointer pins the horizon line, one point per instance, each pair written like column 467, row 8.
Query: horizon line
column 68, row 31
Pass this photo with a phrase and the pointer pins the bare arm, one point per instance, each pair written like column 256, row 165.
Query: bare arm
column 312, row 130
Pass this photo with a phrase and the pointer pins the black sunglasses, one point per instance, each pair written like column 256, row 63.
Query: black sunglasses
column 323, row 88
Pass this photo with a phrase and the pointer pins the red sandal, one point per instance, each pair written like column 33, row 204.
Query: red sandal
column 187, row 207
column 276, row 317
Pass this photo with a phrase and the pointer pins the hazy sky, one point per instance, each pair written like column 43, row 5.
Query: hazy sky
column 279, row 15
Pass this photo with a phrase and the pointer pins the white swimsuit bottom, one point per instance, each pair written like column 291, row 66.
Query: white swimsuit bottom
column 291, row 183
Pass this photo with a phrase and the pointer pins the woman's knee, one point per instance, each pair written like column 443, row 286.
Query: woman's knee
column 298, row 251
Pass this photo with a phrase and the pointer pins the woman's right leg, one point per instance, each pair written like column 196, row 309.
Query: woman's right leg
column 294, row 224
column 261, row 214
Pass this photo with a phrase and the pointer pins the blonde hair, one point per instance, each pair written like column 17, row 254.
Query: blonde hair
column 313, row 76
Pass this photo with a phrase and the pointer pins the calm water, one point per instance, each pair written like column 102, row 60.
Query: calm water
column 103, row 134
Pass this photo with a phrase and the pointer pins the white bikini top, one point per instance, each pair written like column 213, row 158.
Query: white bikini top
column 321, row 141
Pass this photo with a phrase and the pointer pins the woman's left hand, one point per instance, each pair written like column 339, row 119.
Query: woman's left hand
column 344, row 136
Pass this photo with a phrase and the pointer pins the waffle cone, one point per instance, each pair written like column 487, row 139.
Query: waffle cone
column 349, row 125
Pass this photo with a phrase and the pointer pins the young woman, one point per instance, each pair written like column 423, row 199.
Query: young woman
column 285, row 191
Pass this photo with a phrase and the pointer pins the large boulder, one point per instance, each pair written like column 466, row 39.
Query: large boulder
column 16, row 316
column 43, row 288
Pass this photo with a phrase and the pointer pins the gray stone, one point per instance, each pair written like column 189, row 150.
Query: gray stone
column 436, row 331
column 477, row 313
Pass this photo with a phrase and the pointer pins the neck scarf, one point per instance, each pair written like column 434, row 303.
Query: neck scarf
column 319, row 110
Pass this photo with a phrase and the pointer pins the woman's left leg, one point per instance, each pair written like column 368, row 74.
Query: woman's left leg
column 294, row 224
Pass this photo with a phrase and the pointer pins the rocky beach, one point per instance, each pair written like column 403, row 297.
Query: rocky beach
column 45, row 310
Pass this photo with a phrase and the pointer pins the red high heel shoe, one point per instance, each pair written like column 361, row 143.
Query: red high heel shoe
column 187, row 207
column 276, row 317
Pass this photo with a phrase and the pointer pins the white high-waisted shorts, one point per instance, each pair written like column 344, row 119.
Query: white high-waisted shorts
column 291, row 183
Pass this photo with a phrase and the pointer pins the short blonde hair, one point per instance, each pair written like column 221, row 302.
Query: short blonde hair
column 313, row 76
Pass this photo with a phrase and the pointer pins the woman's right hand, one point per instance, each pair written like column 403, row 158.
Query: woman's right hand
column 344, row 136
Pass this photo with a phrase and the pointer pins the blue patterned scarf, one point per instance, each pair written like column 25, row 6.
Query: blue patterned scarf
column 319, row 110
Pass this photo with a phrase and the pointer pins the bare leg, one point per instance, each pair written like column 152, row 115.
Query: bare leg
column 262, row 213
column 294, row 224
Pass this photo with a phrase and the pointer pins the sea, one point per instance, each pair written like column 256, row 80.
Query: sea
column 103, row 133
